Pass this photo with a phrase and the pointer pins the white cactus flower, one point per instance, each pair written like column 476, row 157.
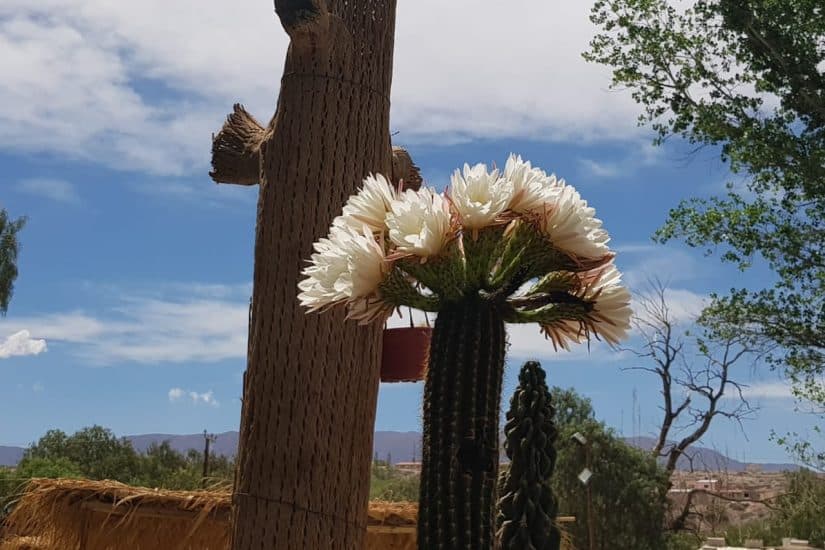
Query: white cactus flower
column 369, row 206
column 327, row 264
column 419, row 222
column 609, row 317
column 346, row 265
column 532, row 187
column 571, row 226
column 611, row 305
column 479, row 196
column 367, row 265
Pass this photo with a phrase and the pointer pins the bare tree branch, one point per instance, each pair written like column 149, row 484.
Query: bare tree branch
column 697, row 381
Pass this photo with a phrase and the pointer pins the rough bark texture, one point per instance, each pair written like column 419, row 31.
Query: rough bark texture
column 311, row 384
column 462, row 399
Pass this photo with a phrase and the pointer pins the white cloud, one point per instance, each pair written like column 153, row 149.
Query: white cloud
column 21, row 343
column 641, row 263
column 126, row 88
column 684, row 306
column 149, row 330
column 213, row 196
column 207, row 398
column 52, row 189
column 768, row 390
column 511, row 72
column 636, row 248
column 38, row 387
column 601, row 169
column 638, row 154
column 527, row 341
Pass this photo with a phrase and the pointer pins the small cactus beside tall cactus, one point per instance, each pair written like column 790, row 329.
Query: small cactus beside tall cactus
column 526, row 507
column 511, row 246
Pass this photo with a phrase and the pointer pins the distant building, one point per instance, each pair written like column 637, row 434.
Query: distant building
column 718, row 543
column 708, row 484
column 408, row 467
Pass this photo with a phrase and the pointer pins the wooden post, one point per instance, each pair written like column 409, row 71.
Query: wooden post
column 311, row 384
column 207, row 440
column 591, row 527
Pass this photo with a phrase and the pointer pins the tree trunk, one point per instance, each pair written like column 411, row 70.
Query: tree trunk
column 311, row 384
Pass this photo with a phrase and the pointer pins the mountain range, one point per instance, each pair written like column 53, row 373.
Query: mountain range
column 405, row 447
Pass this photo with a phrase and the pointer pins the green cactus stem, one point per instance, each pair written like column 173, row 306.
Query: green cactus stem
column 462, row 399
column 527, row 507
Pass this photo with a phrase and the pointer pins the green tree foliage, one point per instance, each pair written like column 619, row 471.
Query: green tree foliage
column 162, row 466
column 53, row 468
column 95, row 450
column 746, row 76
column 571, row 409
column 388, row 483
column 624, row 479
column 95, row 453
column 13, row 480
column 9, row 248
column 527, row 508
column 801, row 511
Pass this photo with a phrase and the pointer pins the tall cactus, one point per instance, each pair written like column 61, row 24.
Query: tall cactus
column 514, row 246
column 462, row 398
column 527, row 507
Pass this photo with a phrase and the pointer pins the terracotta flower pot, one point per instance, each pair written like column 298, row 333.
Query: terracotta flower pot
column 405, row 354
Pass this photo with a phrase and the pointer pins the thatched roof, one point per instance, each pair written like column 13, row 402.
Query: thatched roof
column 22, row 543
column 104, row 515
column 64, row 514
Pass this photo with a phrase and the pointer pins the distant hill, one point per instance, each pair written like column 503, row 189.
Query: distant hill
column 403, row 447
column 225, row 444
column 9, row 456
column 704, row 458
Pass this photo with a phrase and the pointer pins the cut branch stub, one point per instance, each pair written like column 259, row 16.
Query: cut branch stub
column 404, row 169
column 301, row 14
column 236, row 149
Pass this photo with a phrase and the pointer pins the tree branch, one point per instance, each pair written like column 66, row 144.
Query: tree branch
column 236, row 149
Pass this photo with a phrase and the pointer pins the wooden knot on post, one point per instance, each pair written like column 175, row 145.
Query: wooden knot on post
column 299, row 16
column 236, row 149
column 404, row 169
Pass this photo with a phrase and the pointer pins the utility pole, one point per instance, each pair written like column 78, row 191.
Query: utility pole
column 591, row 531
column 207, row 440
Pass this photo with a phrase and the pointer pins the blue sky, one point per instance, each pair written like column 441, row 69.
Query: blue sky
column 136, row 269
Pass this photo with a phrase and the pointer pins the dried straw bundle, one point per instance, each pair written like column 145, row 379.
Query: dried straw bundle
column 391, row 526
column 64, row 514
column 105, row 515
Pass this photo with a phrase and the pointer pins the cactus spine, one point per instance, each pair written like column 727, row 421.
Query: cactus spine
column 527, row 507
column 462, row 398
